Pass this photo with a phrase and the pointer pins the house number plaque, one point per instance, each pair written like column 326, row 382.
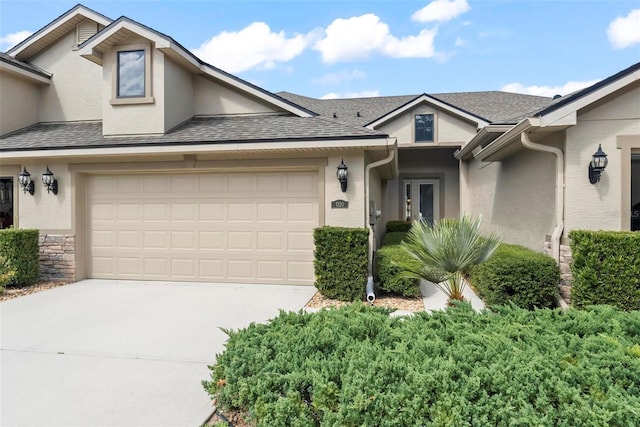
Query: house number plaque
column 339, row 204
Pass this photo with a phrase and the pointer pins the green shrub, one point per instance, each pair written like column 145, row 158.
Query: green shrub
column 517, row 275
column 357, row 366
column 341, row 262
column 606, row 268
column 390, row 277
column 394, row 238
column 6, row 273
column 20, row 249
column 393, row 226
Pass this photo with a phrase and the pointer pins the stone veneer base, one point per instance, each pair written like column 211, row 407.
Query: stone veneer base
column 57, row 257
column 566, row 258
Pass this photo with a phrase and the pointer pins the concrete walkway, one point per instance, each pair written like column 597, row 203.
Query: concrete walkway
column 123, row 353
column 434, row 299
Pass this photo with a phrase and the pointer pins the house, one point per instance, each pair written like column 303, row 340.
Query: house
column 137, row 160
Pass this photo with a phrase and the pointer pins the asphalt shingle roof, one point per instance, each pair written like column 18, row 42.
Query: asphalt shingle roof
column 198, row 130
column 494, row 106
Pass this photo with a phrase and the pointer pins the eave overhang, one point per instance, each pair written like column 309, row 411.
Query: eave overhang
column 54, row 30
column 232, row 147
column 37, row 76
column 484, row 136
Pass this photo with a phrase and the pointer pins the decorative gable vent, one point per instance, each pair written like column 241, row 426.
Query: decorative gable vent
column 86, row 29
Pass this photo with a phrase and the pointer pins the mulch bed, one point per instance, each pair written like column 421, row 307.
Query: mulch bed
column 11, row 292
column 382, row 300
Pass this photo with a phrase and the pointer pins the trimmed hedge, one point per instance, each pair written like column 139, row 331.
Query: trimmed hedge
column 6, row 273
column 389, row 276
column 341, row 262
column 606, row 268
column 393, row 226
column 394, row 238
column 357, row 366
column 20, row 249
column 517, row 275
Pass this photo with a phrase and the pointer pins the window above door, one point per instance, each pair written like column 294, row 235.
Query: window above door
column 424, row 127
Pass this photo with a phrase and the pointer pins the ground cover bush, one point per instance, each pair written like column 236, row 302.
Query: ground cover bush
column 606, row 268
column 390, row 277
column 358, row 366
column 341, row 262
column 393, row 226
column 394, row 238
column 517, row 275
column 19, row 248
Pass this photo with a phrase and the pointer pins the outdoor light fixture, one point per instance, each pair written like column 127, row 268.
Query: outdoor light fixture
column 597, row 164
column 27, row 185
column 50, row 182
column 342, row 174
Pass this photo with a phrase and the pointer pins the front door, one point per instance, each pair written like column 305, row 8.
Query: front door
column 422, row 200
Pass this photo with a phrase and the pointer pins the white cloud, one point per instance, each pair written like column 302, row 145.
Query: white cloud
column 624, row 32
column 361, row 94
column 10, row 40
column 358, row 37
column 341, row 76
column 460, row 42
column 255, row 46
column 549, row 91
column 441, row 11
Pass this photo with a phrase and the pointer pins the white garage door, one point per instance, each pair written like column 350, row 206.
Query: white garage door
column 214, row 227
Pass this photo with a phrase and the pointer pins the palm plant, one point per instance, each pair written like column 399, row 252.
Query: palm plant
column 446, row 250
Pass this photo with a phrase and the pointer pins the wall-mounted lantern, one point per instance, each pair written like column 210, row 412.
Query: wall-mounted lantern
column 342, row 174
column 50, row 182
column 27, row 185
column 597, row 164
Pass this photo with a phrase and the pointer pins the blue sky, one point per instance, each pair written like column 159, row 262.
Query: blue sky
column 381, row 47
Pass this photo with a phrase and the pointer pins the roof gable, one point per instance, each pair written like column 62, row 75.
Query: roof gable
column 569, row 105
column 57, row 28
column 94, row 48
column 426, row 99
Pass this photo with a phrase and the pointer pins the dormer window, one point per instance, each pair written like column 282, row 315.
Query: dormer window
column 131, row 71
column 424, row 128
column 132, row 75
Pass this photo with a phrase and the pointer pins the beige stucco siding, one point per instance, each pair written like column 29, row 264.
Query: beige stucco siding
column 515, row 197
column 46, row 211
column 75, row 90
column 212, row 98
column 354, row 215
column 134, row 118
column 448, row 129
column 435, row 163
column 19, row 100
column 178, row 90
column 598, row 206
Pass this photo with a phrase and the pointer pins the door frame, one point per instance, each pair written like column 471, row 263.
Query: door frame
column 418, row 177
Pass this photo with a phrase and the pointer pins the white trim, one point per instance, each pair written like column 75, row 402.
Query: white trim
column 430, row 100
column 483, row 135
column 53, row 26
column 506, row 138
column 559, row 115
column 257, row 147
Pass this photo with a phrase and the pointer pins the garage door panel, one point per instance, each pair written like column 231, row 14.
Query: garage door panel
column 217, row 227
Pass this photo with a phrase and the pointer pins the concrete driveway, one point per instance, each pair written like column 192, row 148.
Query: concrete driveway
column 123, row 353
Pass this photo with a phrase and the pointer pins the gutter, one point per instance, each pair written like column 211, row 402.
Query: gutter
column 557, row 231
column 367, row 171
column 482, row 135
column 505, row 139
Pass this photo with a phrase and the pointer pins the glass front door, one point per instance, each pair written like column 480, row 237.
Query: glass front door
column 422, row 200
column 6, row 202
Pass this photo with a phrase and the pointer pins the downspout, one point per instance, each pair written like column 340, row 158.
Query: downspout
column 369, row 289
column 557, row 231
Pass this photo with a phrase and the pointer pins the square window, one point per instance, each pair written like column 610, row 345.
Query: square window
column 131, row 74
column 424, row 127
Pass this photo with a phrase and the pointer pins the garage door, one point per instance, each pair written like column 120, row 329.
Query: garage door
column 215, row 227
